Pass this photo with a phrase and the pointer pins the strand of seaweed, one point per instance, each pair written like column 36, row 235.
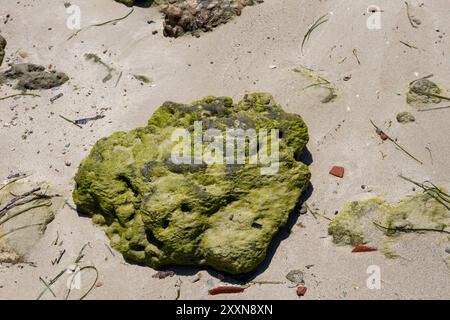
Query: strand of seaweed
column 101, row 24
column 314, row 26
column 62, row 272
column 19, row 94
column 432, row 190
column 406, row 229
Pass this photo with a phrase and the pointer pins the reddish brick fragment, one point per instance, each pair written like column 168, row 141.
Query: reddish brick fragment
column 363, row 248
column 301, row 291
column 225, row 289
column 337, row 171
column 383, row 136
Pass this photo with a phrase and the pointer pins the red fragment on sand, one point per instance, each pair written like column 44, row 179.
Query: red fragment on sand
column 363, row 248
column 383, row 136
column 301, row 291
column 337, row 171
column 225, row 289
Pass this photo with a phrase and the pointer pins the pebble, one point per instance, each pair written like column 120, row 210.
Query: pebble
column 303, row 210
column 447, row 250
column 68, row 163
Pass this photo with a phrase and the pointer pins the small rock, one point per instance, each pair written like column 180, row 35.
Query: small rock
column 301, row 291
column 337, row 171
column 163, row 274
column 405, row 117
column 295, row 276
column 303, row 210
column 196, row 278
column 447, row 250
column 68, row 163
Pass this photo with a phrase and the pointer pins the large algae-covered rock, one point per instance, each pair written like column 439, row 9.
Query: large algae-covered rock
column 158, row 211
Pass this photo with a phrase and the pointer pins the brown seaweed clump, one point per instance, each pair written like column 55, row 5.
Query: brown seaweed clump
column 34, row 77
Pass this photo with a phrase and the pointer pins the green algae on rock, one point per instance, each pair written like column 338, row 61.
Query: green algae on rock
column 360, row 221
column 224, row 216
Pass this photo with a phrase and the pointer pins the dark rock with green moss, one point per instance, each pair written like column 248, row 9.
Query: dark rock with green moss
column 405, row 117
column 224, row 216
column 183, row 16
column 2, row 49
column 30, row 76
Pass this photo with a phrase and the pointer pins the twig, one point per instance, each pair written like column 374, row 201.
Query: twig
column 47, row 204
column 13, row 181
column 61, row 273
column 315, row 214
column 316, row 24
column 406, row 230
column 431, row 109
column 71, row 121
column 409, row 45
column 101, row 24
column 16, row 203
column 58, row 259
column 80, row 254
column 19, row 94
column 355, row 53
column 13, row 202
column 86, row 120
column 431, row 154
column 267, row 282
column 47, row 286
column 50, row 284
column 379, row 132
column 118, row 79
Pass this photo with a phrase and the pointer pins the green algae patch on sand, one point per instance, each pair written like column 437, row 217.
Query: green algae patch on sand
column 224, row 216
column 378, row 222
column 424, row 92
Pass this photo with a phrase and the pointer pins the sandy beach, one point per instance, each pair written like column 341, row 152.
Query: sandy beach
column 254, row 52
